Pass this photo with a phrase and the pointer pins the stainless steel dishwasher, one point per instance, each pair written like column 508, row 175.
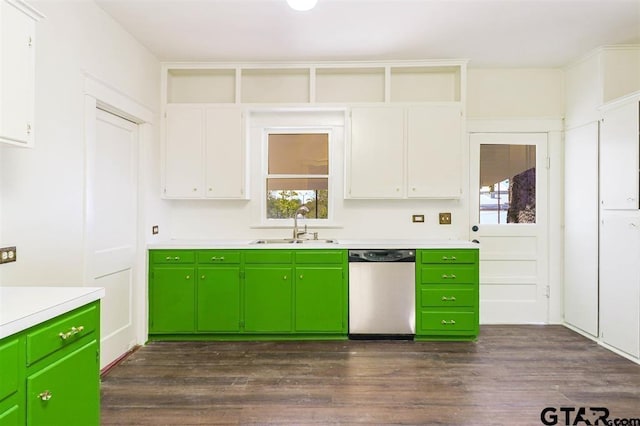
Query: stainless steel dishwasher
column 382, row 293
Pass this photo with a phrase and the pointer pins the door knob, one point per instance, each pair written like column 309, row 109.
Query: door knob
column 475, row 228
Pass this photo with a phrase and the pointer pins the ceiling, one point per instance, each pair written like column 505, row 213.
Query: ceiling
column 503, row 33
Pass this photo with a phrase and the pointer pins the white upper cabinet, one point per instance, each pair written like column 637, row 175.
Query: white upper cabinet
column 204, row 152
column 619, row 154
column 17, row 59
column 434, row 151
column 183, row 159
column 405, row 152
column 376, row 155
column 224, row 153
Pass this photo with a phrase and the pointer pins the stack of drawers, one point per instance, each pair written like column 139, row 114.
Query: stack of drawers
column 447, row 300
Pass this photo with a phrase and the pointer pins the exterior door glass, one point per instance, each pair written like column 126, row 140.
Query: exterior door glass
column 507, row 184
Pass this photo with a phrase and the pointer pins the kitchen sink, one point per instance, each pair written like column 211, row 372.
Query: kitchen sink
column 293, row 241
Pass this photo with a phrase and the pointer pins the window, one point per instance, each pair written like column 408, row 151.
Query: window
column 507, row 184
column 297, row 175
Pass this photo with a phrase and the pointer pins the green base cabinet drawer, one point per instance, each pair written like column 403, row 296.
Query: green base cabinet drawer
column 447, row 297
column 172, row 256
column 218, row 257
column 320, row 256
column 61, row 333
column 448, row 321
column 62, row 394
column 268, row 256
column 461, row 274
column 449, row 256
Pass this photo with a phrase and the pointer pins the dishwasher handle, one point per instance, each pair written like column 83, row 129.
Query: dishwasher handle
column 382, row 255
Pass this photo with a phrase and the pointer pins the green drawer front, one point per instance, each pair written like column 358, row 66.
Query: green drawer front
column 450, row 256
column 449, row 274
column 446, row 297
column 61, row 333
column 268, row 256
column 173, row 256
column 9, row 365
column 320, row 256
column 448, row 321
column 215, row 257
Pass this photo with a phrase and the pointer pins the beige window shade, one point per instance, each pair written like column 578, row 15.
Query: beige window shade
column 299, row 154
column 500, row 162
column 296, row 184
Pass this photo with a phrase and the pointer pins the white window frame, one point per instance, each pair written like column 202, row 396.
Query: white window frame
column 331, row 199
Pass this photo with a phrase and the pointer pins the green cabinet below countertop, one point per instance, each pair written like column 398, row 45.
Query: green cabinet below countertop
column 248, row 294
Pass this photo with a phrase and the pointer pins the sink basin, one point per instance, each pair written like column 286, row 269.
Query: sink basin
column 293, row 241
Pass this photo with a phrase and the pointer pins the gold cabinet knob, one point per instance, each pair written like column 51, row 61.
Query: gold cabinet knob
column 45, row 396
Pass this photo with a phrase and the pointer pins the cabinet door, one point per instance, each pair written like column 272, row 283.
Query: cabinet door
column 183, row 163
column 67, row 391
column 619, row 161
column 225, row 154
column 434, row 159
column 268, row 299
column 17, row 75
column 376, row 155
column 320, row 300
column 218, row 299
column 620, row 280
column 172, row 300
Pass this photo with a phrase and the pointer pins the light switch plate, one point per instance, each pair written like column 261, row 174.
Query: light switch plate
column 417, row 218
column 155, row 229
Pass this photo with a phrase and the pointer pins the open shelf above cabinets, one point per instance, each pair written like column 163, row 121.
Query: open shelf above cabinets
column 315, row 84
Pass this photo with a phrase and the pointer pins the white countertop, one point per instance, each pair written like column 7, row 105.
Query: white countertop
column 310, row 244
column 24, row 307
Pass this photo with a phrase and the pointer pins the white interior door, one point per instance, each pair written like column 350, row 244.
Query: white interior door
column 509, row 216
column 112, row 197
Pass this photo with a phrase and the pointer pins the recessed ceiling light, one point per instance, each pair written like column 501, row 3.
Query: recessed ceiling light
column 302, row 5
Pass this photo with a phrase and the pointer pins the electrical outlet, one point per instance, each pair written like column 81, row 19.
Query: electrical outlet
column 417, row 218
column 7, row 254
column 445, row 218
column 155, row 229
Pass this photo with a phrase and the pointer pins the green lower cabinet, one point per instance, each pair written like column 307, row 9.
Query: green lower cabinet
column 251, row 294
column 172, row 295
column 320, row 299
column 447, row 294
column 60, row 393
column 268, row 299
column 218, row 299
column 60, row 386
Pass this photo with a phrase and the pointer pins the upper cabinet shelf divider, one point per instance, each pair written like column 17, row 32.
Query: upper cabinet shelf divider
column 441, row 81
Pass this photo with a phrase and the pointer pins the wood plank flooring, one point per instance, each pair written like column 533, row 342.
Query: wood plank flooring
column 507, row 377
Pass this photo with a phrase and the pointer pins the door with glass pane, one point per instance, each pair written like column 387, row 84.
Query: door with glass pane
column 508, row 207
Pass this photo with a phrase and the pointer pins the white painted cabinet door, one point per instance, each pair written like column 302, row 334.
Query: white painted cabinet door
column 619, row 161
column 377, row 153
column 16, row 75
column 225, row 153
column 620, row 280
column 183, row 159
column 434, row 151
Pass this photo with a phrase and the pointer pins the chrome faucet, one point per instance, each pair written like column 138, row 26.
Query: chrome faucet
column 302, row 210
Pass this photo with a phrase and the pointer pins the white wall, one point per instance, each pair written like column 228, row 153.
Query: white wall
column 42, row 194
column 515, row 93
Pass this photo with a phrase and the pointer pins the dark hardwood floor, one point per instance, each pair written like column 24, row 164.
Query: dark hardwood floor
column 507, row 377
